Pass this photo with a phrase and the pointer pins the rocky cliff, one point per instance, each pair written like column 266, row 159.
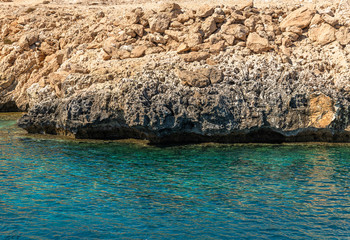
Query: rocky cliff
column 172, row 74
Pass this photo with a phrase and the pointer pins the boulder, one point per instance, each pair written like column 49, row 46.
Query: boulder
column 205, row 11
column 157, row 38
column 257, row 44
column 299, row 18
column 159, row 23
column 132, row 18
column 323, row 34
column 193, row 39
column 27, row 40
column 245, row 4
column 176, row 35
column 170, row 8
column 138, row 29
column 111, row 46
column 209, row 26
column 47, row 49
column 239, row 31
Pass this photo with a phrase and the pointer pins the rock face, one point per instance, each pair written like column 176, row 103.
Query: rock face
column 247, row 100
column 173, row 75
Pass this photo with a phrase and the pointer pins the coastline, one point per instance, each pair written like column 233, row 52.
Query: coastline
column 176, row 75
column 20, row 133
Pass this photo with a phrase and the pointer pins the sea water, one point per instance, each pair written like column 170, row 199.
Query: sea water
column 54, row 188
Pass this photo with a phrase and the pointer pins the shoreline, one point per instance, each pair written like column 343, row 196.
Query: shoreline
column 176, row 75
column 14, row 116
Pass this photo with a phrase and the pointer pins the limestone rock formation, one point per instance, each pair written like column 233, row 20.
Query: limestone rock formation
column 177, row 74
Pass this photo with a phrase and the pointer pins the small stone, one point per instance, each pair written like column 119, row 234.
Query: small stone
column 211, row 61
column 215, row 76
column 251, row 22
column 343, row 36
column 138, row 51
column 183, row 48
column 176, row 24
column 182, row 18
column 157, row 38
column 219, row 18
column 316, row 20
column 295, row 30
column 291, row 35
column 169, row 7
column 330, row 20
column 128, row 48
column 217, row 47
column 132, row 18
column 195, row 56
column 229, row 39
column 106, row 56
column 154, row 50
column 286, row 42
column 123, row 54
column 174, row 34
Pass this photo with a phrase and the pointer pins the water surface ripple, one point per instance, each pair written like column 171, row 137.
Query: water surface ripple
column 61, row 189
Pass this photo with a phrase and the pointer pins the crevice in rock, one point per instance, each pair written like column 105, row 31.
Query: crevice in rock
column 9, row 107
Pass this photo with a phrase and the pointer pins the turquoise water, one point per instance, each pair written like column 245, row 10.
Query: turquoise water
column 64, row 189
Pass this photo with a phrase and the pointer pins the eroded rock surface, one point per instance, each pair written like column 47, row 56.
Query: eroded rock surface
column 172, row 74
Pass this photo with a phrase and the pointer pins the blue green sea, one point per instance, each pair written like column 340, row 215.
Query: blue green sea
column 56, row 188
